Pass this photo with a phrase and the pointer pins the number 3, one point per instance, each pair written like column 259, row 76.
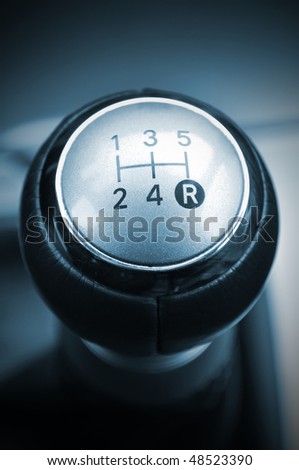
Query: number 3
column 151, row 136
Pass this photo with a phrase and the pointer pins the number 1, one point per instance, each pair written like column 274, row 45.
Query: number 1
column 115, row 138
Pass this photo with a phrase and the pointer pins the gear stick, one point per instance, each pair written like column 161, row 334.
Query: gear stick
column 149, row 224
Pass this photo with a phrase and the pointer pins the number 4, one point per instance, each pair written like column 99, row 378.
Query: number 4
column 154, row 195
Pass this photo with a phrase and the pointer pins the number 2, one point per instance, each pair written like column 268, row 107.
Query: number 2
column 119, row 204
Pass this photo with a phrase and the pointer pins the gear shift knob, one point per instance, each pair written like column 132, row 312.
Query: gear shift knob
column 143, row 164
column 149, row 223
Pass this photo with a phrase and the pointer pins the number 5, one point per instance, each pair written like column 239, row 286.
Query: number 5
column 183, row 138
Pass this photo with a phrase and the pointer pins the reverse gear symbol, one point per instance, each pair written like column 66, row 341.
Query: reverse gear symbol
column 189, row 194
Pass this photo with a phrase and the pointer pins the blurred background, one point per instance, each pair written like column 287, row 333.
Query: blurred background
column 239, row 56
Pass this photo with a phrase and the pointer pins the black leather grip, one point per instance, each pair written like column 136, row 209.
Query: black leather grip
column 144, row 313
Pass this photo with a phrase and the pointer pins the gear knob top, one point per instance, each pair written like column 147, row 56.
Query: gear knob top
column 149, row 222
column 152, row 183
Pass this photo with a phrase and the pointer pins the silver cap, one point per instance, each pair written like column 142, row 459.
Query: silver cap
column 152, row 184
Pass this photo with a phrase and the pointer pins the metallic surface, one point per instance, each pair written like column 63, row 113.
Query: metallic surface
column 152, row 364
column 155, row 383
column 152, row 183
